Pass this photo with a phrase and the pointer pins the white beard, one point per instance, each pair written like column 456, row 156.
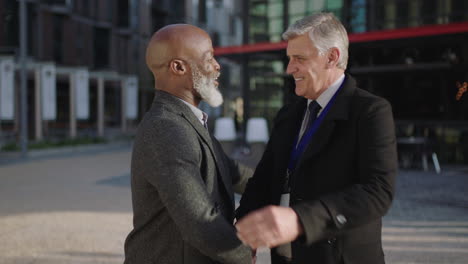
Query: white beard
column 206, row 87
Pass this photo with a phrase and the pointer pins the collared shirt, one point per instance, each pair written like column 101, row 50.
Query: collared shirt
column 197, row 112
column 322, row 100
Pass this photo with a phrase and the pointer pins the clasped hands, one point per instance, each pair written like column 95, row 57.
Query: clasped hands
column 269, row 227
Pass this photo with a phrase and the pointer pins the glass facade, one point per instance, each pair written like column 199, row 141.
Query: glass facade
column 391, row 14
column 418, row 75
column 268, row 20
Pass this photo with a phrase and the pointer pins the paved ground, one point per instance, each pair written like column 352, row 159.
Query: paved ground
column 77, row 209
column 428, row 222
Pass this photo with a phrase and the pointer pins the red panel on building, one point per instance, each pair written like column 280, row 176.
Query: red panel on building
column 354, row 38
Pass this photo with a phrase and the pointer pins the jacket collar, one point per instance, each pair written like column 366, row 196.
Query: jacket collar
column 175, row 105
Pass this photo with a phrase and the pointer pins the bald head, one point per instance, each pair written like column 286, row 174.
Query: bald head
column 178, row 41
column 181, row 58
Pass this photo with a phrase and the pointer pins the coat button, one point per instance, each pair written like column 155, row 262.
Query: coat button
column 331, row 241
column 341, row 219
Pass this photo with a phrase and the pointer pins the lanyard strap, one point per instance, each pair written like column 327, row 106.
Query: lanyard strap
column 298, row 149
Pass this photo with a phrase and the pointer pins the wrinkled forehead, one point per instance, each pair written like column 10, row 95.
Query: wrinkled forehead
column 300, row 45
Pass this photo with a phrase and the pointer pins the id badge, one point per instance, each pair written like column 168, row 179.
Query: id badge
column 284, row 200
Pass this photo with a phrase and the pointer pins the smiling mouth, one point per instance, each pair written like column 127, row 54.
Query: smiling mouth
column 298, row 79
column 215, row 80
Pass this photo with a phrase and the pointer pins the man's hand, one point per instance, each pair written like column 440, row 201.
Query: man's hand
column 269, row 227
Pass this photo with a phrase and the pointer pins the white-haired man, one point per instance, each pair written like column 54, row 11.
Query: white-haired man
column 327, row 175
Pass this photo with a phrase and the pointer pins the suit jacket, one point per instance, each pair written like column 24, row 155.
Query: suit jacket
column 182, row 193
column 343, row 183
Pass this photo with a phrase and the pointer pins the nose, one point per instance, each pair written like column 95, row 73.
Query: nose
column 291, row 68
column 216, row 65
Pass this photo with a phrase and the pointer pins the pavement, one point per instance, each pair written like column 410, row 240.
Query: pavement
column 428, row 221
column 76, row 208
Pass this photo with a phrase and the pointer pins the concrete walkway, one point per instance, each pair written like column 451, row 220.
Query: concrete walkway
column 428, row 222
column 77, row 209
column 65, row 210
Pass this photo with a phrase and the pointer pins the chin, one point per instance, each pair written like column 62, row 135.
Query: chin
column 213, row 97
column 299, row 92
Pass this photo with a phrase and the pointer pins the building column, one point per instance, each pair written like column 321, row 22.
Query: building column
column 100, row 107
column 72, row 103
column 37, row 105
column 17, row 99
column 123, row 105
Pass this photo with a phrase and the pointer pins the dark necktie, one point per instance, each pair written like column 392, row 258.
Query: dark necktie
column 314, row 108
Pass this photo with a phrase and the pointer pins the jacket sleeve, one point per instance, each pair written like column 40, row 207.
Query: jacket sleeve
column 258, row 192
column 370, row 198
column 240, row 175
column 174, row 157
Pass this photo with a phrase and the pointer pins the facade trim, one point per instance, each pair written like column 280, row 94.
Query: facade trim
column 424, row 31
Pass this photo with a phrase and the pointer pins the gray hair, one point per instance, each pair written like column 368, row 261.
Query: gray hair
column 325, row 31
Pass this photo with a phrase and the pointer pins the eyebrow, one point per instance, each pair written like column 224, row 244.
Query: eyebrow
column 208, row 53
column 296, row 56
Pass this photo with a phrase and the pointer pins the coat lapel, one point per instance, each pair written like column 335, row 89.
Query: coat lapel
column 215, row 151
column 222, row 170
column 177, row 106
column 338, row 111
column 287, row 125
column 180, row 108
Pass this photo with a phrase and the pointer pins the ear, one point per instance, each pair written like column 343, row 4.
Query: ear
column 333, row 57
column 178, row 67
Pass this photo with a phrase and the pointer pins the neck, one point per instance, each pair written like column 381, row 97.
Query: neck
column 331, row 78
column 334, row 75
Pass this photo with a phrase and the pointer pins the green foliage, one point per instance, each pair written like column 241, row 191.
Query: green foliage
column 10, row 147
column 45, row 144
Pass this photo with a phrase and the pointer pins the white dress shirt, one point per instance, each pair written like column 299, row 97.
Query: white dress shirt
column 202, row 116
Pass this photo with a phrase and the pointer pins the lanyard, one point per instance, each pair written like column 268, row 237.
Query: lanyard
column 297, row 151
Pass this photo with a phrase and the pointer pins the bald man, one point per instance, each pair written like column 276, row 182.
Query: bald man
column 182, row 182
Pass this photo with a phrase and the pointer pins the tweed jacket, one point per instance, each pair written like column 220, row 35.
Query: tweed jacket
column 343, row 183
column 182, row 191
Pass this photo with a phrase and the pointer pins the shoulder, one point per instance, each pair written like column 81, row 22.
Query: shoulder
column 367, row 101
column 163, row 126
column 290, row 109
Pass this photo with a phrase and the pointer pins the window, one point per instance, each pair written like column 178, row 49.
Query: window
column 110, row 10
column 459, row 11
column 123, row 14
column 358, row 16
column 428, row 8
column 58, row 38
column 85, row 7
column 101, row 48
column 218, row 3
column 202, row 11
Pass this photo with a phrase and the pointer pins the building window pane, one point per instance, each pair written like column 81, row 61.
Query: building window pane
column 358, row 16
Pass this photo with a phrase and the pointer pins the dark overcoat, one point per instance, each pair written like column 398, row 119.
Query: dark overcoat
column 344, row 182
